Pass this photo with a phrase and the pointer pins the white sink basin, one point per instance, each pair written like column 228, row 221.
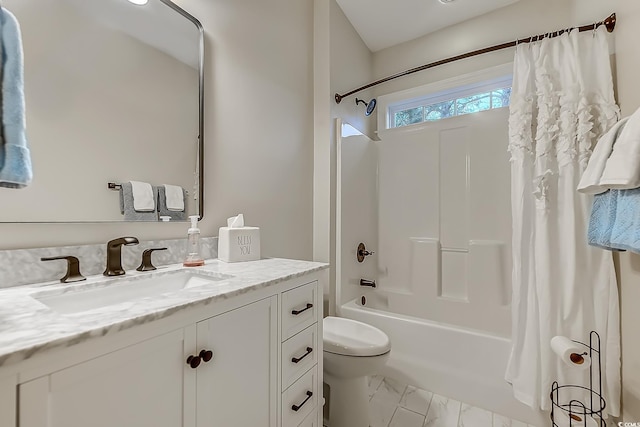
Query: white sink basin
column 125, row 289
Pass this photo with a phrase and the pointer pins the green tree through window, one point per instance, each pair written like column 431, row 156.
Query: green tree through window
column 498, row 98
column 409, row 117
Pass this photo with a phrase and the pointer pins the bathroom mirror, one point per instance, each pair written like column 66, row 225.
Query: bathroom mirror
column 113, row 93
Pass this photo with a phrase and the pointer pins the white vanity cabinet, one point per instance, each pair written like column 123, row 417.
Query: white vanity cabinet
column 264, row 370
column 238, row 386
column 141, row 385
column 301, row 350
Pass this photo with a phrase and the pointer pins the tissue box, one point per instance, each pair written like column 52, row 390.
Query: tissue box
column 239, row 244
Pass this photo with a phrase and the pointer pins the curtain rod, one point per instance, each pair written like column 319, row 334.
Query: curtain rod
column 609, row 22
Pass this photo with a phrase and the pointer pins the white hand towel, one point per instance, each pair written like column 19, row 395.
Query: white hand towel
column 175, row 197
column 622, row 170
column 143, row 197
column 590, row 181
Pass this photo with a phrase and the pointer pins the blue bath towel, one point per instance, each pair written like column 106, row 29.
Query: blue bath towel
column 15, row 158
column 602, row 220
column 625, row 233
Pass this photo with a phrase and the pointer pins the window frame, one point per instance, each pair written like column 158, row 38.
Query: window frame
column 487, row 80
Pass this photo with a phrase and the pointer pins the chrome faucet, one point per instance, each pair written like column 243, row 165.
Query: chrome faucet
column 114, row 255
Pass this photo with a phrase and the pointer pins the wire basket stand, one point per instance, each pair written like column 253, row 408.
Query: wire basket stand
column 577, row 411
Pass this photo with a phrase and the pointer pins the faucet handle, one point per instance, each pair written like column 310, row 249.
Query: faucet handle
column 362, row 252
column 73, row 268
column 146, row 264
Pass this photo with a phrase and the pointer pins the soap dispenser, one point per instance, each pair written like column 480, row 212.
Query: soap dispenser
column 194, row 256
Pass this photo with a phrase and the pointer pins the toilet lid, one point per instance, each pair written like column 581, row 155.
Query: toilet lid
column 352, row 338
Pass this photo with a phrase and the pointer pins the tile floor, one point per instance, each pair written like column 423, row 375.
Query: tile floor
column 394, row 404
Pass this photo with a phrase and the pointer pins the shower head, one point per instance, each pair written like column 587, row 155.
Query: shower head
column 371, row 105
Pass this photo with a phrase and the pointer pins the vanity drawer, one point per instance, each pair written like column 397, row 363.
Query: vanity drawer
column 300, row 399
column 299, row 353
column 299, row 309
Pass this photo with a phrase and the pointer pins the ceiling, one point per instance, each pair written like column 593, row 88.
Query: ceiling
column 385, row 23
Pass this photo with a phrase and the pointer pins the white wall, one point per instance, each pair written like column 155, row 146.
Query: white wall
column 627, row 63
column 518, row 20
column 259, row 133
column 351, row 67
column 342, row 62
column 444, row 221
column 358, row 213
column 259, row 116
column 322, row 147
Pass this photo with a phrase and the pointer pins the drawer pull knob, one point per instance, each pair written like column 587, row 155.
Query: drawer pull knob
column 296, row 312
column 193, row 361
column 206, row 355
column 297, row 407
column 298, row 359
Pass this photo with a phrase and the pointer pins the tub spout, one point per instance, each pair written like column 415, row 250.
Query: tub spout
column 370, row 283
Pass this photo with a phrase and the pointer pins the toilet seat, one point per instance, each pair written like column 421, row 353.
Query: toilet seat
column 352, row 338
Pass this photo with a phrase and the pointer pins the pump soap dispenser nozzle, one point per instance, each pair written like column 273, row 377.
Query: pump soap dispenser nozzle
column 194, row 257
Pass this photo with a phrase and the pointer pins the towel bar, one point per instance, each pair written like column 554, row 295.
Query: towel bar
column 116, row 187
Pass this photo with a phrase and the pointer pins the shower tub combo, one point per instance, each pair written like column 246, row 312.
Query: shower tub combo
column 419, row 198
column 456, row 362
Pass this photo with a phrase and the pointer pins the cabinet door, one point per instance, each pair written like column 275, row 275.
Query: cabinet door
column 238, row 387
column 141, row 385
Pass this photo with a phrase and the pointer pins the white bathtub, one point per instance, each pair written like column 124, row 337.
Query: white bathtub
column 463, row 364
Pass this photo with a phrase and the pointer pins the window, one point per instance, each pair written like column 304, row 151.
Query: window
column 453, row 102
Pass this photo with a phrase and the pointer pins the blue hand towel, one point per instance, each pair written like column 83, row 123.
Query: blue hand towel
column 15, row 158
column 625, row 233
column 602, row 220
column 1, row 132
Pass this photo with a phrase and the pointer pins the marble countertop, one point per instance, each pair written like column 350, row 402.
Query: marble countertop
column 29, row 327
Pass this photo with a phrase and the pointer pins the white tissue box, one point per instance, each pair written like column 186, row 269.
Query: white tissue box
column 239, row 244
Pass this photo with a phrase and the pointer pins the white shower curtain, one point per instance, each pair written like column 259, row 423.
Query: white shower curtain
column 562, row 101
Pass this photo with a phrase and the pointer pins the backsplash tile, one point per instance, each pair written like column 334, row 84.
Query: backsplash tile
column 23, row 266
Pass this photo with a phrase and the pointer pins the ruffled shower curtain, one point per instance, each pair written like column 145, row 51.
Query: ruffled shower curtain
column 562, row 101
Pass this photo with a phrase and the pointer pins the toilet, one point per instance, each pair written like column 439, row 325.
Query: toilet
column 352, row 351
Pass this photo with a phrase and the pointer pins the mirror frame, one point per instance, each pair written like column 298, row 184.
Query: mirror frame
column 200, row 150
column 200, row 102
